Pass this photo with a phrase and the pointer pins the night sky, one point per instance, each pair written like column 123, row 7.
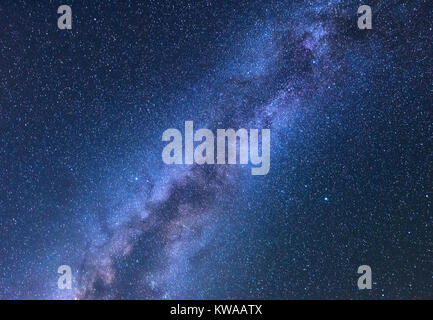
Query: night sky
column 82, row 182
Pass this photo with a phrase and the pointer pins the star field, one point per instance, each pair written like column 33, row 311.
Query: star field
column 82, row 182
